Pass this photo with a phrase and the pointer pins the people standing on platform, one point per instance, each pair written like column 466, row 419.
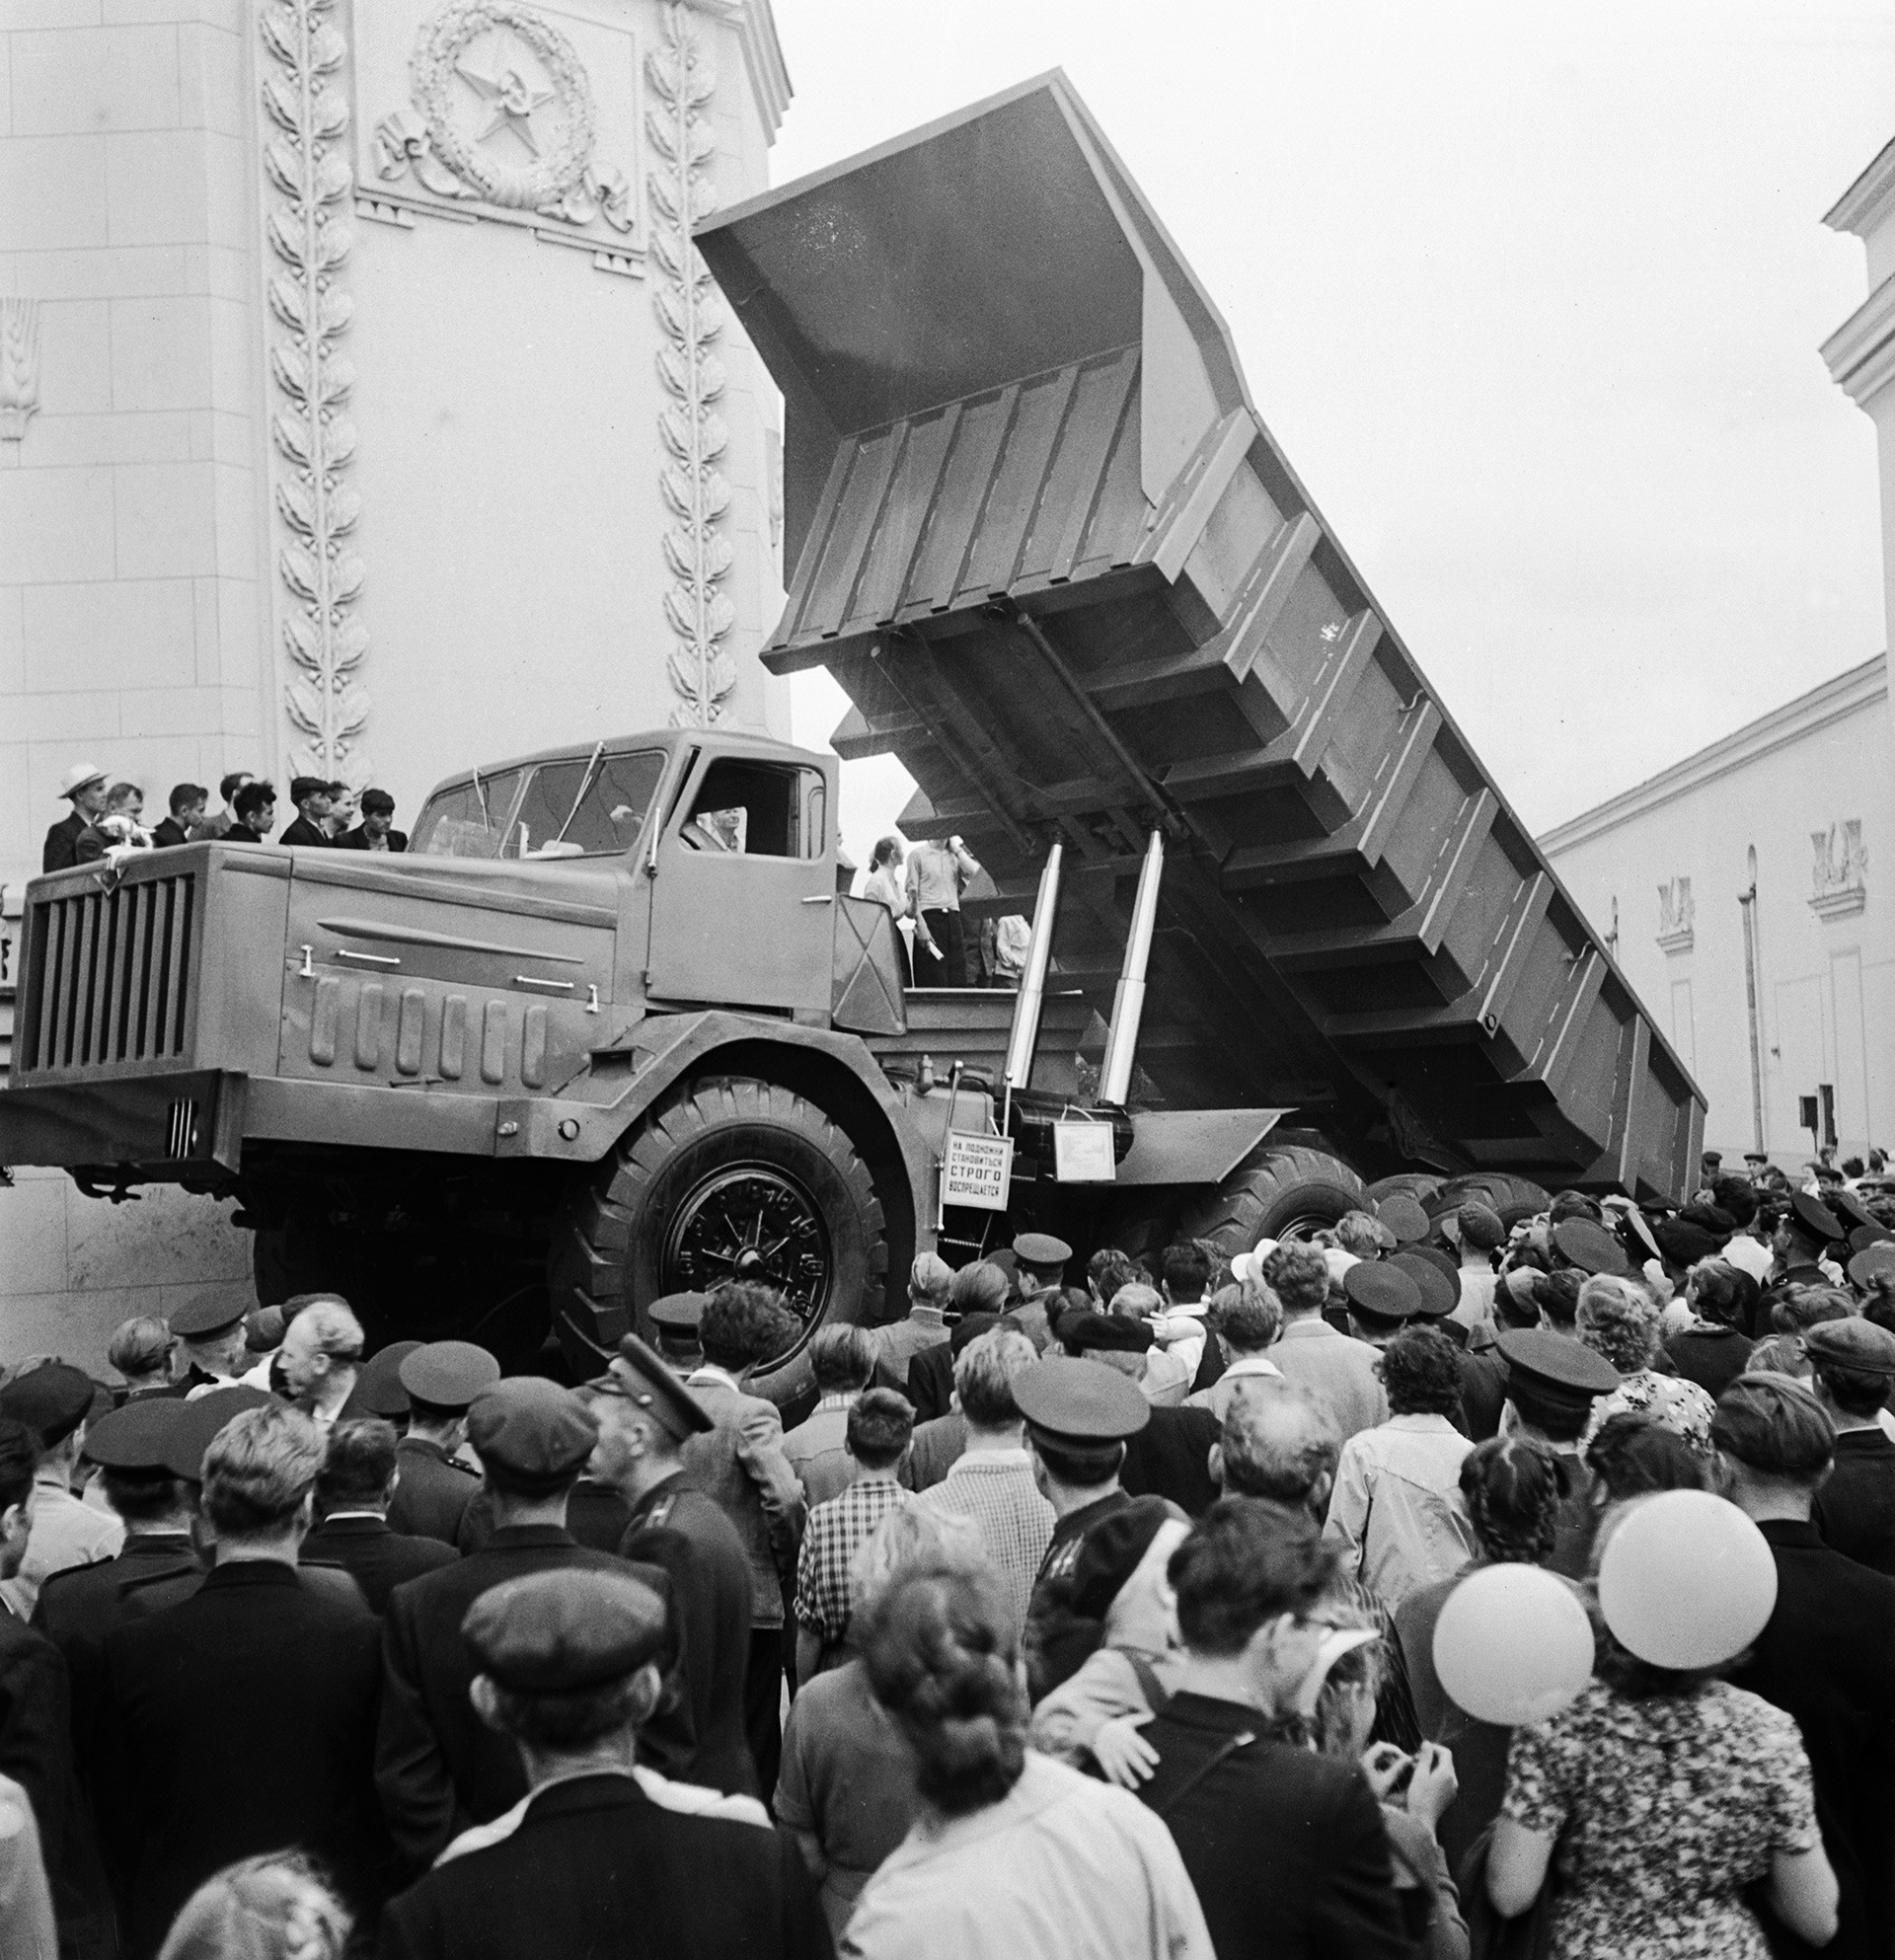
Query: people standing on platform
column 309, row 826
column 937, row 875
column 185, row 805
column 253, row 808
column 84, row 787
column 221, row 820
column 887, row 886
column 376, row 831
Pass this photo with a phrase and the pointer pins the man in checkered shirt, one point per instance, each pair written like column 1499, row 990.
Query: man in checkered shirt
column 992, row 1481
column 880, row 1424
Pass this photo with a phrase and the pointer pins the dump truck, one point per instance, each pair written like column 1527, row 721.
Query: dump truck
column 614, row 1026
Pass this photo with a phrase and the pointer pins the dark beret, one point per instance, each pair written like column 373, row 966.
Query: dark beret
column 209, row 1315
column 448, row 1374
column 136, row 1439
column 204, row 1416
column 1814, row 1219
column 1104, row 1333
column 378, row 1388
column 1681, row 1243
column 1404, row 1216
column 971, row 1327
column 563, row 1631
column 1110, row 1552
column 1440, row 1294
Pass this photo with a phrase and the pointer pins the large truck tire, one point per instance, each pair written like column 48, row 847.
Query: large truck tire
column 730, row 1178
column 1514, row 1198
column 1277, row 1191
column 1420, row 1185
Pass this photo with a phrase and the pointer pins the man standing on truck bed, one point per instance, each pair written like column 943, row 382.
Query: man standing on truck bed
column 936, row 875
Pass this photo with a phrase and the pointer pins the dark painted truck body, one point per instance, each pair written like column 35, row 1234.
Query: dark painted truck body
column 615, row 1027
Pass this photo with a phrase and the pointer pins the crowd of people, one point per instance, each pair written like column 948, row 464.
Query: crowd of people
column 1156, row 1612
column 107, row 819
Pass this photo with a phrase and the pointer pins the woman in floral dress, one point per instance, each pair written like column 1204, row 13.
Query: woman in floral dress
column 1652, row 1802
column 1616, row 1320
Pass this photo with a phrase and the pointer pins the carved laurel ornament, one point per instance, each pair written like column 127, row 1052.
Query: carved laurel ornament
column 18, row 366
column 698, row 612
column 312, row 439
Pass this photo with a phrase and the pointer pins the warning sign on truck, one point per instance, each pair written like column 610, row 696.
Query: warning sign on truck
column 977, row 1170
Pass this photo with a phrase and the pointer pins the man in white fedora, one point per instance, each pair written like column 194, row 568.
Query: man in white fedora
column 84, row 787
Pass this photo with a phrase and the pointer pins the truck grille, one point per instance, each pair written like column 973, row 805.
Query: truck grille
column 108, row 975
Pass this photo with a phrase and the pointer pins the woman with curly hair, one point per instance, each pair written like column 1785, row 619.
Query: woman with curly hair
column 1514, row 1486
column 1013, row 1853
column 1616, row 1320
column 273, row 1907
column 1669, row 1794
column 1396, row 1512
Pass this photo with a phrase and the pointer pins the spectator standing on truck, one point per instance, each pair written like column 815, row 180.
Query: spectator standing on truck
column 741, row 1463
column 207, row 830
column 187, row 805
column 84, row 787
column 937, row 873
column 310, row 795
column 376, row 831
column 255, row 808
column 885, row 882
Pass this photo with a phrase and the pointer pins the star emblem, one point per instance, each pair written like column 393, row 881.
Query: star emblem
column 509, row 97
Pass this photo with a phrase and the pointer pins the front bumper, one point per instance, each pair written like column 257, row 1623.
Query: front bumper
column 153, row 1128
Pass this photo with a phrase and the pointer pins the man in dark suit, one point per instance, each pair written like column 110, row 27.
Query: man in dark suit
column 602, row 1856
column 1824, row 1655
column 376, row 831
column 645, row 1415
column 84, row 787
column 440, row 1768
column 244, row 1717
column 1855, row 1369
column 352, row 1492
column 1313, row 1873
column 186, row 801
column 255, row 807
column 433, row 1491
column 310, row 795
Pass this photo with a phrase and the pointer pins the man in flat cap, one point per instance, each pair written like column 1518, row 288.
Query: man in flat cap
column 1552, row 1382
column 310, row 795
column 245, row 1717
column 432, row 1492
column 600, row 1856
column 1585, row 1245
column 53, row 1402
column 438, row 1768
column 1854, row 1370
column 645, row 1415
column 1039, row 1267
column 353, row 1488
column 1478, row 1233
column 216, row 1348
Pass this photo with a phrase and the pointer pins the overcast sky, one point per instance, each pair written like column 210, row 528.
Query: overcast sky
column 1532, row 298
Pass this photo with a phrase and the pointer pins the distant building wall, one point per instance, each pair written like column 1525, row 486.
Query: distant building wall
column 1666, row 864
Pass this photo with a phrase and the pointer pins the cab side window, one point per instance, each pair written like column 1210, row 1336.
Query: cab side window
column 756, row 809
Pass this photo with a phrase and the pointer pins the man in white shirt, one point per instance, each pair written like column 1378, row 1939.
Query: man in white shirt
column 322, row 1354
column 1249, row 1319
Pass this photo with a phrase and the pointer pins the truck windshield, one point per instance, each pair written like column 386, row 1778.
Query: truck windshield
column 525, row 809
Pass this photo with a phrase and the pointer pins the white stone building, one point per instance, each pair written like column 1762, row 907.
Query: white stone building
column 1738, row 891
column 364, row 412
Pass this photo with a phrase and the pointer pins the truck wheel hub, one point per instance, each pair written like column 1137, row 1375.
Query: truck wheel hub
column 751, row 1222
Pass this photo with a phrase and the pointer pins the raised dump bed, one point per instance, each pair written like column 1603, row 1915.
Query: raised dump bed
column 1040, row 536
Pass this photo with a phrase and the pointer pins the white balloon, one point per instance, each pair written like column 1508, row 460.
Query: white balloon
column 1513, row 1645
column 1685, row 1580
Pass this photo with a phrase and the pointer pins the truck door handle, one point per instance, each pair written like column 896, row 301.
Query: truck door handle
column 367, row 958
column 819, row 898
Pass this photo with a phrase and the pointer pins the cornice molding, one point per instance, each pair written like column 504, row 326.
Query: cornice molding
column 1860, row 354
column 1851, row 693
column 1860, row 206
column 763, row 62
